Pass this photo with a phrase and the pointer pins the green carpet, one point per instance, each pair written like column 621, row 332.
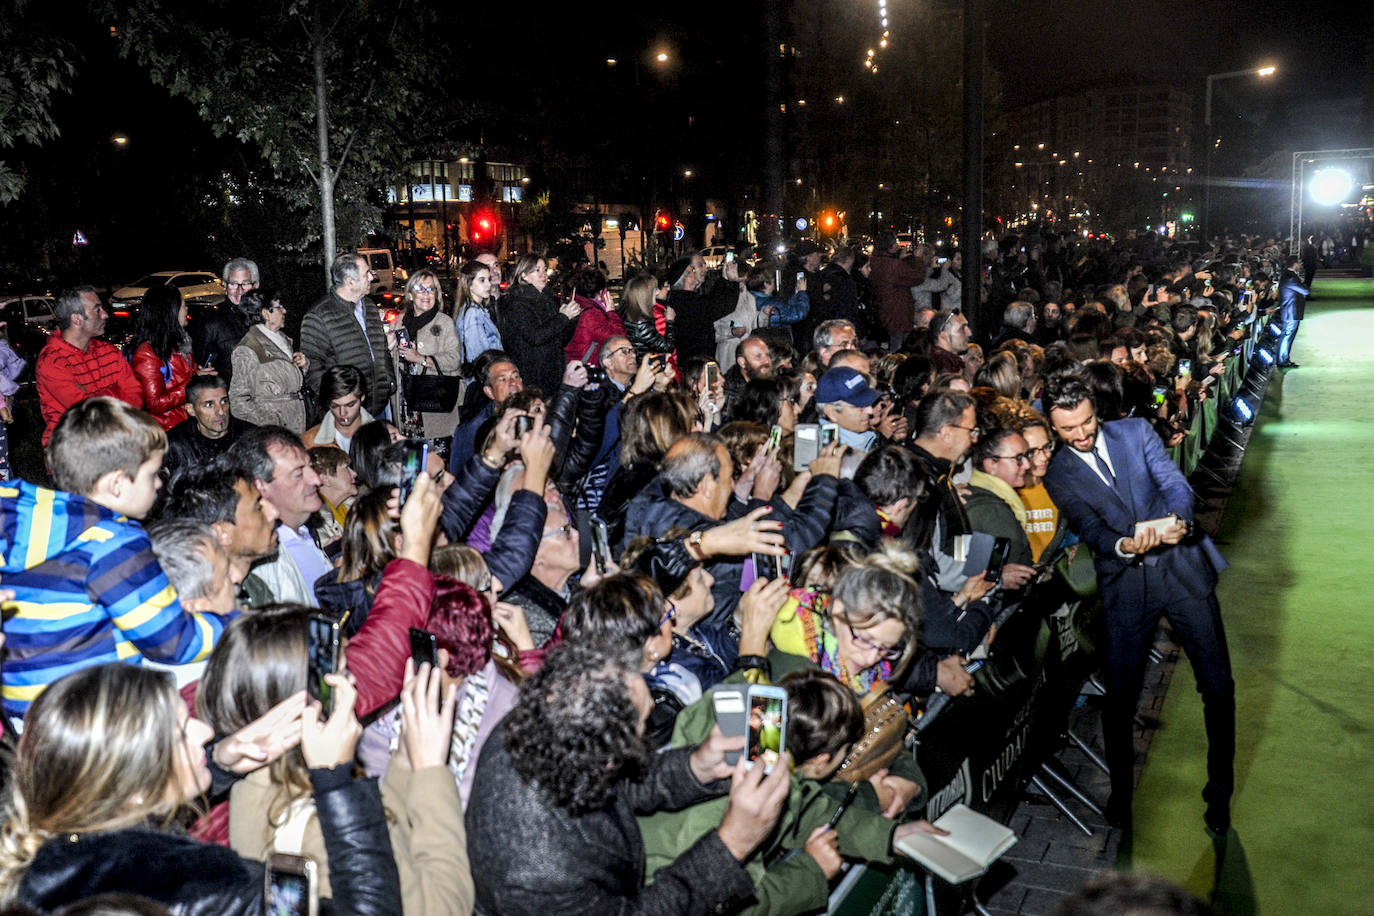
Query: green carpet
column 1300, row 622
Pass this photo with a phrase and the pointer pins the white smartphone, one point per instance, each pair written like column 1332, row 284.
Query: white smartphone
column 728, row 703
column 806, row 445
column 1156, row 524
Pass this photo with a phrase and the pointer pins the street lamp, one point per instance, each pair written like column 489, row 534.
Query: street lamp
column 1207, row 122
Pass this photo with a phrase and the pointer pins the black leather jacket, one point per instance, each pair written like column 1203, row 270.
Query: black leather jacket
column 201, row 879
column 645, row 338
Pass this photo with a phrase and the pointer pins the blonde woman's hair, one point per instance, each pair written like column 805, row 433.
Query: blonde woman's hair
column 98, row 753
column 638, row 300
column 462, row 563
column 414, row 281
column 881, row 586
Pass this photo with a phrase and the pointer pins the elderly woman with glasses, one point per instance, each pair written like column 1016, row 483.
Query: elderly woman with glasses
column 1002, row 460
column 429, row 345
column 862, row 630
column 269, row 373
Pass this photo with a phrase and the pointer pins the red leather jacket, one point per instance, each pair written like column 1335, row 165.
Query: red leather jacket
column 163, row 384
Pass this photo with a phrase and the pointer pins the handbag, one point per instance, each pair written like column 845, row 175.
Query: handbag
column 431, row 393
column 885, row 724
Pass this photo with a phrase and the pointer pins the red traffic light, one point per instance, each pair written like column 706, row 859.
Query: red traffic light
column 663, row 221
column 483, row 227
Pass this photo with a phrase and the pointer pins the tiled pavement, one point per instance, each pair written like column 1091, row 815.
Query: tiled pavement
column 1052, row 856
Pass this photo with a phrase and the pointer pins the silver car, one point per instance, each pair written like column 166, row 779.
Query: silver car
column 197, row 287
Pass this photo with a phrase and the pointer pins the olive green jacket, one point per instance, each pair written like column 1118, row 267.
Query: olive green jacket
column 783, row 886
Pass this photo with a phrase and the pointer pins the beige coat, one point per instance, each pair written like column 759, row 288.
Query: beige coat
column 266, row 385
column 439, row 340
column 427, row 836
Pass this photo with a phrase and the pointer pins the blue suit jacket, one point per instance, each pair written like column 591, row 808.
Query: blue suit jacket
column 1149, row 485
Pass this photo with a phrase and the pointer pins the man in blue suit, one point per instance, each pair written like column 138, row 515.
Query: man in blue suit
column 1107, row 479
column 1293, row 295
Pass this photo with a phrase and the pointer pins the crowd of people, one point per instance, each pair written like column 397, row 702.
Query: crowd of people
column 599, row 514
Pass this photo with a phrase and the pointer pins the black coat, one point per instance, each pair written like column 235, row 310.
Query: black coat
column 201, row 879
column 214, row 337
column 534, row 334
column 532, row 858
column 695, row 314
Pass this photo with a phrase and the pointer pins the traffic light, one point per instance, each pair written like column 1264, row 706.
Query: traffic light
column 483, row 227
column 663, row 222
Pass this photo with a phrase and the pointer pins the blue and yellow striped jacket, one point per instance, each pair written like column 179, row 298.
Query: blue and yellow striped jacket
column 88, row 590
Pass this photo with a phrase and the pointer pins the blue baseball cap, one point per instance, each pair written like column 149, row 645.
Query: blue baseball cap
column 845, row 384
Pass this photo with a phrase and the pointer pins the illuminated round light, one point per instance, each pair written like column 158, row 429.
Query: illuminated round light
column 801, row 224
column 1329, row 187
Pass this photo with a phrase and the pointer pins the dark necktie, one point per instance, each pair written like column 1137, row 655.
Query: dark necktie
column 1103, row 468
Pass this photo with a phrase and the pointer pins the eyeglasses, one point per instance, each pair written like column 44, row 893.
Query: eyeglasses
column 423, row 289
column 1047, row 449
column 669, row 615
column 973, row 431
column 276, row 307
column 1024, row 457
column 563, row 532
column 619, row 350
column 247, row 284
column 890, row 653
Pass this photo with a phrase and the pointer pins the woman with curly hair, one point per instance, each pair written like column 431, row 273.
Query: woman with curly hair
column 863, row 630
column 551, row 822
column 162, row 358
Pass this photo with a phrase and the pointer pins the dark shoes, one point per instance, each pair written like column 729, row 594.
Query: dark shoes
column 1289, row 364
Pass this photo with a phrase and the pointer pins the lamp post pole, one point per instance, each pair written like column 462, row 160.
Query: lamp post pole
column 1211, row 141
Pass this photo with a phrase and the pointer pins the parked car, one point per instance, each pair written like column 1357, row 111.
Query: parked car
column 714, row 256
column 197, row 287
column 29, row 321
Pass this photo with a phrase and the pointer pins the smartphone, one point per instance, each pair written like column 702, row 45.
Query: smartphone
column 729, row 257
column 711, row 373
column 830, row 432
column 402, row 338
column 774, row 438
column 1185, row 367
column 767, row 725
column 728, row 703
column 658, row 361
column 412, row 466
column 424, row 648
column 800, row 275
column 1159, row 396
column 322, row 658
column 937, row 261
column 601, row 544
column 523, row 424
column 1000, row 548
column 785, row 566
column 291, row 886
column 806, row 445
column 591, row 351
column 765, row 566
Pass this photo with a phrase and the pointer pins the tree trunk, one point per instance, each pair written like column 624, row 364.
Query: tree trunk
column 326, row 174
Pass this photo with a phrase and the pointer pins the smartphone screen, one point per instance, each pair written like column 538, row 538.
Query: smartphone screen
column 1159, row 396
column 800, row 275
column 1001, row 547
column 805, row 445
column 424, row 648
column 785, row 566
column 774, row 437
column 767, row 721
column 765, row 566
column 417, row 456
column 291, row 888
column 1185, row 367
column 523, row 424
column 729, row 257
column 829, row 433
column 322, row 638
